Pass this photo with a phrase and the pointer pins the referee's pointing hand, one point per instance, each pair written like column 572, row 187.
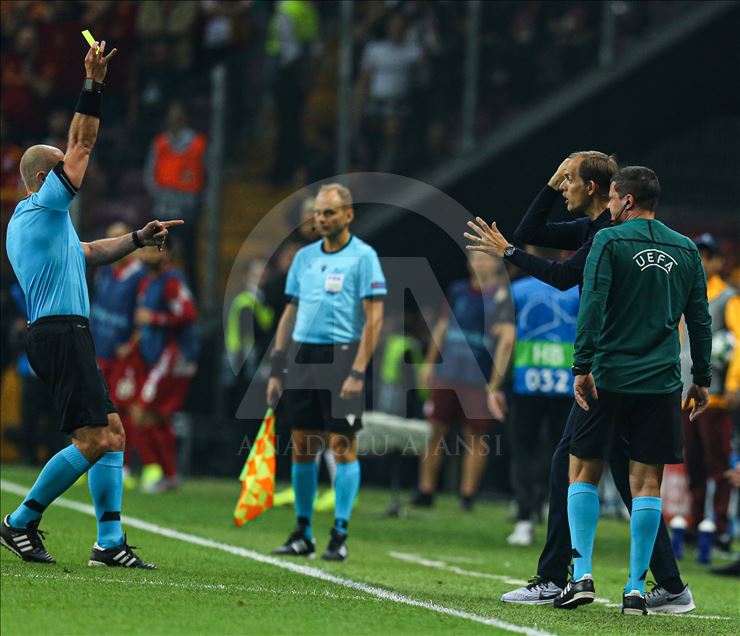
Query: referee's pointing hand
column 155, row 232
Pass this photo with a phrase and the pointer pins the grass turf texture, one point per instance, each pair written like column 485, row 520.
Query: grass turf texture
column 199, row 590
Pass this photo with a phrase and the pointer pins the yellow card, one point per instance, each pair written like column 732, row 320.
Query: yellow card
column 89, row 38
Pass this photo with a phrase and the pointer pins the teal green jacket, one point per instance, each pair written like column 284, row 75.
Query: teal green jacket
column 640, row 277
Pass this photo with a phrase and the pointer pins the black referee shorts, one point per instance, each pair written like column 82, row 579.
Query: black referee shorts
column 311, row 399
column 61, row 352
column 649, row 424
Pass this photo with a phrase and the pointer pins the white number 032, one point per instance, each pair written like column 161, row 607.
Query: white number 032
column 547, row 380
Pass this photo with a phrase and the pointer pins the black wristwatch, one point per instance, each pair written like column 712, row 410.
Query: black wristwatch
column 91, row 86
column 357, row 375
column 509, row 250
column 576, row 370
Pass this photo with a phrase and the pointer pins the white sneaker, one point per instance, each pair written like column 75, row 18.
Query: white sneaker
column 539, row 591
column 661, row 601
column 523, row 534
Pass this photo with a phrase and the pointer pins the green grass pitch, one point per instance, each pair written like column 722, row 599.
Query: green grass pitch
column 455, row 561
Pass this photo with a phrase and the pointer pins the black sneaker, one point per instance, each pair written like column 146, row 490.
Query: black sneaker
column 337, row 548
column 422, row 500
column 576, row 593
column 297, row 545
column 25, row 542
column 122, row 556
column 634, row 603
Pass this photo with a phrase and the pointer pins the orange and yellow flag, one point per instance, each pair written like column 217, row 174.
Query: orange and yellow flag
column 258, row 474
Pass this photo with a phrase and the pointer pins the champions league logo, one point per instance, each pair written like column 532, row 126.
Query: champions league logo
column 654, row 258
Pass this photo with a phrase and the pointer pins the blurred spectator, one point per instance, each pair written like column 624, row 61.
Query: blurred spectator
column 39, row 430
column 112, row 325
column 176, row 178
column 543, row 389
column 274, row 287
column 10, row 161
column 707, row 438
column 249, row 323
column 26, row 81
column 57, row 129
column 474, row 337
column 402, row 355
column 292, row 44
column 171, row 22
column 168, row 343
column 155, row 82
column 383, row 95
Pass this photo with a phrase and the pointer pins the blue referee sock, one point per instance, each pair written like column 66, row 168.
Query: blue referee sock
column 346, row 485
column 583, row 515
column 60, row 472
column 305, row 478
column 644, row 524
column 106, row 487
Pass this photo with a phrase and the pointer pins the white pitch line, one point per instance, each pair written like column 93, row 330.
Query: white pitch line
column 305, row 570
column 206, row 587
column 441, row 565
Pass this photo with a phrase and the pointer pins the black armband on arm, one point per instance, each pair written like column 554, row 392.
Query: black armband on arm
column 278, row 364
column 136, row 239
column 90, row 100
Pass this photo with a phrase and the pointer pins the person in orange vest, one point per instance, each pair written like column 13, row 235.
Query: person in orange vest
column 176, row 177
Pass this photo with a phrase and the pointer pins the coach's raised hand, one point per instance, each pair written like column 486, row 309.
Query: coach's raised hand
column 489, row 239
column 155, row 232
column 559, row 176
column 96, row 64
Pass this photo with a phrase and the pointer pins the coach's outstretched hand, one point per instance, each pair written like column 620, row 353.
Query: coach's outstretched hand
column 96, row 65
column 583, row 388
column 489, row 239
column 155, row 232
column 700, row 396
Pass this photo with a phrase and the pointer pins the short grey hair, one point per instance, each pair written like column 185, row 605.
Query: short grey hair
column 345, row 196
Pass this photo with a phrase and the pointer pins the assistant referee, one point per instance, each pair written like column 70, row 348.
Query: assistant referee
column 334, row 290
column 50, row 261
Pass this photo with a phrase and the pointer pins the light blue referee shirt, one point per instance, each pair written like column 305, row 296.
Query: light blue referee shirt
column 46, row 253
column 330, row 287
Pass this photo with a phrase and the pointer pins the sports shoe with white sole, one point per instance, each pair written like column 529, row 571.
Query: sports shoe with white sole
column 121, row 556
column 25, row 543
column 580, row 592
column 337, row 548
column 539, row 591
column 297, row 545
column 523, row 534
column 660, row 601
column 634, row 604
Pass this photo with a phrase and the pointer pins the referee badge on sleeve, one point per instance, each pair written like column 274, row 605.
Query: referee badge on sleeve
column 333, row 283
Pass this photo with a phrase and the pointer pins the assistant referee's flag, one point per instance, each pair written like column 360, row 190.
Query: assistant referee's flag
column 258, row 474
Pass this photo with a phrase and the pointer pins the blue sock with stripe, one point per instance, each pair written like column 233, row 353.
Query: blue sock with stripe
column 346, row 485
column 644, row 523
column 583, row 515
column 106, row 487
column 60, row 472
column 305, row 478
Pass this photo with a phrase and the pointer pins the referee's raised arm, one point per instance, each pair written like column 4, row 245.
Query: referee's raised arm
column 83, row 130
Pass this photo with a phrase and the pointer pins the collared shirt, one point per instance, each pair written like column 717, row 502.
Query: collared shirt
column 329, row 288
column 46, row 253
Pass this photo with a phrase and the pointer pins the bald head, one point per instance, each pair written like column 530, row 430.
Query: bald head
column 36, row 163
